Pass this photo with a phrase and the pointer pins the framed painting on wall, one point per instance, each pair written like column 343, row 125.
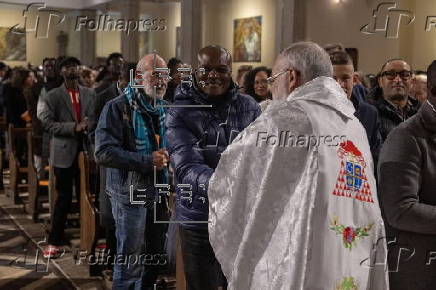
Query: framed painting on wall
column 12, row 45
column 247, row 35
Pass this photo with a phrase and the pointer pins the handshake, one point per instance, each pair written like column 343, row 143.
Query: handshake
column 160, row 158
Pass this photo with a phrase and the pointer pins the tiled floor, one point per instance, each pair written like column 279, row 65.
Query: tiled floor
column 21, row 263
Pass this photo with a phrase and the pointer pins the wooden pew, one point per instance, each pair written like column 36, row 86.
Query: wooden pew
column 17, row 170
column 37, row 186
column 4, row 129
column 88, row 211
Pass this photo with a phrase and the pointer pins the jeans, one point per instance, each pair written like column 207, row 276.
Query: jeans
column 140, row 254
column 202, row 269
column 106, row 218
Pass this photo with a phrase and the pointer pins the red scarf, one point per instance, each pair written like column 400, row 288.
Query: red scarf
column 75, row 100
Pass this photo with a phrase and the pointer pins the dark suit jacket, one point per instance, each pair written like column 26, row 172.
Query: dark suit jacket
column 407, row 191
column 101, row 99
column 57, row 116
column 15, row 105
column 368, row 116
column 105, row 96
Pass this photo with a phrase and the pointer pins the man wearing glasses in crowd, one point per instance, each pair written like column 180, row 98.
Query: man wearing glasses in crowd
column 206, row 118
column 130, row 144
column 395, row 106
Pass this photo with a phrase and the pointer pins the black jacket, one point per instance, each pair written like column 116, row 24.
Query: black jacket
column 407, row 191
column 15, row 105
column 196, row 138
column 390, row 117
column 368, row 116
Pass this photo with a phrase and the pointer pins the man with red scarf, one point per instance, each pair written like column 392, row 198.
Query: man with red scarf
column 65, row 113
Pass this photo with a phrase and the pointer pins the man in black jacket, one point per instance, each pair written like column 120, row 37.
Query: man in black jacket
column 392, row 98
column 206, row 118
column 407, row 171
column 343, row 73
column 114, row 64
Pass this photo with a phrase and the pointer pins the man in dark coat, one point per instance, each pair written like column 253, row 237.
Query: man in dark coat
column 343, row 72
column 407, row 190
column 392, row 98
column 114, row 64
column 130, row 144
column 106, row 218
column 208, row 116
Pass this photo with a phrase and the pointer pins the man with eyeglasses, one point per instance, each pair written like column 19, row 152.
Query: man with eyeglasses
column 300, row 215
column 392, row 98
column 205, row 119
column 66, row 113
column 130, row 143
column 407, row 171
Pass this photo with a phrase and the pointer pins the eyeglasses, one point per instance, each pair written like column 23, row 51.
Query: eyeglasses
column 391, row 75
column 272, row 79
column 220, row 69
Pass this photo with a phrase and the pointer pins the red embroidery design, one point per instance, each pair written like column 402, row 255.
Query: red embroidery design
column 352, row 181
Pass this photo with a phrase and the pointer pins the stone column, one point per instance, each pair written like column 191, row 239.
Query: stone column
column 87, row 41
column 130, row 43
column 191, row 27
column 290, row 23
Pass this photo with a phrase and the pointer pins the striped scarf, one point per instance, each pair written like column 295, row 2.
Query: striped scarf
column 145, row 142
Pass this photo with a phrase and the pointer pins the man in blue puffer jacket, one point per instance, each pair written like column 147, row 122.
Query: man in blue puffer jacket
column 206, row 118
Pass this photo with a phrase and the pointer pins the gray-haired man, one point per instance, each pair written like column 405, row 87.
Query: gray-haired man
column 281, row 214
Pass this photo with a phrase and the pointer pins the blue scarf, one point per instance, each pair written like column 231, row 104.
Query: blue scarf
column 145, row 143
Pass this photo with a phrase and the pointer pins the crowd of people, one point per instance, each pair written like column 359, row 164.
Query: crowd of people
column 249, row 214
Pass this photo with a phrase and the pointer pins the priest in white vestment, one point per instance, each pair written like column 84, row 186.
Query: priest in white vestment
column 293, row 201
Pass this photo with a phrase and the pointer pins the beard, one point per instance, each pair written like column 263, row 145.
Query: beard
column 160, row 91
column 398, row 97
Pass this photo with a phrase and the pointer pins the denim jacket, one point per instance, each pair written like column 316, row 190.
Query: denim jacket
column 115, row 149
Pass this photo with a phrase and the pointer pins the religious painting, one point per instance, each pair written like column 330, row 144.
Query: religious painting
column 12, row 45
column 247, row 39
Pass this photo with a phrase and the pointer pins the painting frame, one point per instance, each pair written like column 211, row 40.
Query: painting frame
column 12, row 45
column 247, row 39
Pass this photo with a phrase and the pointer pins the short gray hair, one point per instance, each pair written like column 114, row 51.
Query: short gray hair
column 310, row 59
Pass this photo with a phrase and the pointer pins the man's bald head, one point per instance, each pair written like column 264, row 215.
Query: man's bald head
column 149, row 62
column 215, row 54
column 214, row 74
column 147, row 65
